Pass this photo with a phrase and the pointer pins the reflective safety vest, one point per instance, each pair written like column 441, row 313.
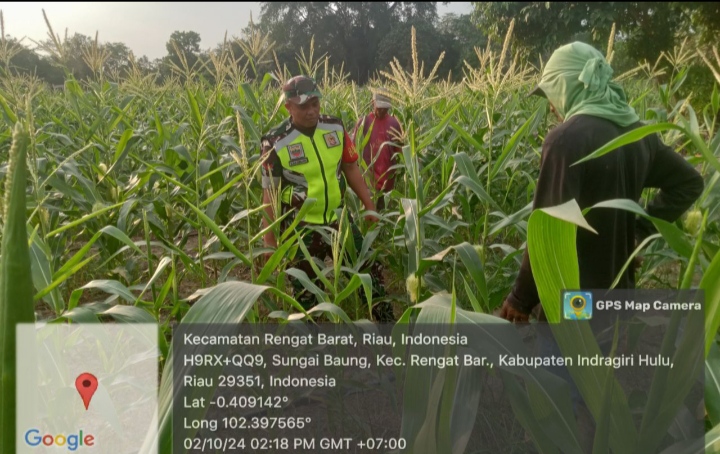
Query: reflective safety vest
column 311, row 167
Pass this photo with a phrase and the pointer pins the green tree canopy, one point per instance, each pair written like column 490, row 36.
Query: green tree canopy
column 645, row 28
column 183, row 45
column 362, row 35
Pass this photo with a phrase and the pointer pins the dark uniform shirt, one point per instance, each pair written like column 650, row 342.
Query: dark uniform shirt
column 620, row 174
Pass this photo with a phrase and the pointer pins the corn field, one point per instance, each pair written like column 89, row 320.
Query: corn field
column 143, row 201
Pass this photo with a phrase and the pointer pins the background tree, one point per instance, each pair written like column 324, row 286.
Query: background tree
column 361, row 36
column 72, row 52
column 357, row 34
column 255, row 49
column 644, row 31
column 646, row 28
column 460, row 37
column 24, row 60
column 188, row 43
column 183, row 49
column 118, row 57
column 704, row 21
column 430, row 44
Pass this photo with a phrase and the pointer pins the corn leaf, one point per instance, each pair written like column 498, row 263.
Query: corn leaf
column 712, row 384
column 228, row 302
column 710, row 283
column 16, row 286
column 553, row 257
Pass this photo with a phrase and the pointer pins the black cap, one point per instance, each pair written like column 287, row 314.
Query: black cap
column 300, row 89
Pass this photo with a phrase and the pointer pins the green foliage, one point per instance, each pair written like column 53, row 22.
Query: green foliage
column 185, row 42
column 360, row 37
column 395, row 44
column 183, row 52
column 554, row 262
column 647, row 29
column 144, row 200
column 350, row 33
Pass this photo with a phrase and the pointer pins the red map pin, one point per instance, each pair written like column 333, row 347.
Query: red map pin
column 86, row 385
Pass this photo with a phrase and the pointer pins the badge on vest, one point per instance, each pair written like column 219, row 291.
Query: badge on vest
column 297, row 154
column 331, row 139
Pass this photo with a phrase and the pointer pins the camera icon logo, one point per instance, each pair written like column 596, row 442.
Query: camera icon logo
column 577, row 305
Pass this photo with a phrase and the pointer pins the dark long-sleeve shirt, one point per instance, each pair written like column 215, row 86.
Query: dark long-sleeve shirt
column 620, row 174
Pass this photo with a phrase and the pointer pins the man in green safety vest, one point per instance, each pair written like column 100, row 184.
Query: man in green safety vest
column 310, row 155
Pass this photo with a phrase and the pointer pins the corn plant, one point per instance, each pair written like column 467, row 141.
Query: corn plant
column 144, row 204
column 15, row 285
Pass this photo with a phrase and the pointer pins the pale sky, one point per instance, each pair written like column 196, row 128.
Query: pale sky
column 144, row 27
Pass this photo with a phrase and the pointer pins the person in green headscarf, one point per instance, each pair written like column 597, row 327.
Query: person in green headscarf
column 577, row 82
column 593, row 110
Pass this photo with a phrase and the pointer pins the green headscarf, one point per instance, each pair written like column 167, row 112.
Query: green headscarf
column 576, row 80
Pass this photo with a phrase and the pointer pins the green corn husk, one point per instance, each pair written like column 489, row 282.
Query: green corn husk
column 16, row 287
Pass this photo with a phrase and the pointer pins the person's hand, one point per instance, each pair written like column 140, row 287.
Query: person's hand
column 369, row 210
column 512, row 315
column 372, row 218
